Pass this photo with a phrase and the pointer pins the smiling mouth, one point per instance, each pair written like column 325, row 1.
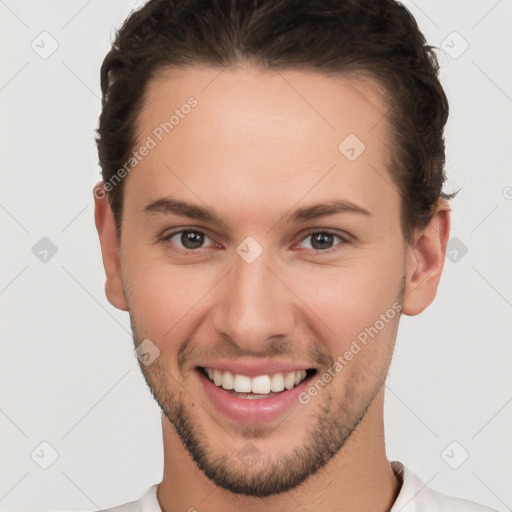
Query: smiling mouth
column 262, row 386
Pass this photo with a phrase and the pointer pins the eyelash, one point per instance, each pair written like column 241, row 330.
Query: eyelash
column 342, row 240
column 167, row 240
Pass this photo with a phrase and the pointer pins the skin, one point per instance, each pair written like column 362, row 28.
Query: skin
column 258, row 146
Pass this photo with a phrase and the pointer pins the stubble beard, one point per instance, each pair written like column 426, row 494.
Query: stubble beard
column 334, row 424
column 271, row 474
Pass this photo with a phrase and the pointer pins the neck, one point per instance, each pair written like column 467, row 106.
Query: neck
column 357, row 479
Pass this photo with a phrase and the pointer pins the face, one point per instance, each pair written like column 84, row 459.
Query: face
column 258, row 249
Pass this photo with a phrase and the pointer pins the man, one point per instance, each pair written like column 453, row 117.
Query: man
column 271, row 204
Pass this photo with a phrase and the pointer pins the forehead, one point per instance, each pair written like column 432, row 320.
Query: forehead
column 286, row 136
column 250, row 98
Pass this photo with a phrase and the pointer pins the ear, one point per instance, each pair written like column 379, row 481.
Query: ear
column 425, row 261
column 110, row 248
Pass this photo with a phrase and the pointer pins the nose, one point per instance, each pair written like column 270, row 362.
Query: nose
column 254, row 306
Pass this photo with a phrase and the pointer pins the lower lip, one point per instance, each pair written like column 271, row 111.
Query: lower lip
column 259, row 410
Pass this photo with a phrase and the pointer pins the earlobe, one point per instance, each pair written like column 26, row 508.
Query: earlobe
column 425, row 261
column 110, row 248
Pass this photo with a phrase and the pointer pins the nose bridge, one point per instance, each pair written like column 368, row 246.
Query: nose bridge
column 254, row 306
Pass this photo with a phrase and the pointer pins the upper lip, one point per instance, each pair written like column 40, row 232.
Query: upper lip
column 255, row 368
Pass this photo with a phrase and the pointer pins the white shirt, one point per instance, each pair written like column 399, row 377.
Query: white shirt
column 414, row 496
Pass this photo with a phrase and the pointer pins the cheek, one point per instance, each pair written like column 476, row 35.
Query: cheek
column 166, row 300
column 170, row 302
column 349, row 300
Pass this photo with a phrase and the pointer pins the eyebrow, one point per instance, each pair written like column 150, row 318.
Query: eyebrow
column 323, row 209
column 169, row 206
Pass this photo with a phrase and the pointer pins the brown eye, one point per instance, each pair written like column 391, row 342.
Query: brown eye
column 192, row 239
column 188, row 239
column 321, row 241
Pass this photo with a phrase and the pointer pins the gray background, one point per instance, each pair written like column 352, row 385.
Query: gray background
column 68, row 376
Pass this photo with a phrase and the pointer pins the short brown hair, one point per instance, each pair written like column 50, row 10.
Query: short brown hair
column 376, row 38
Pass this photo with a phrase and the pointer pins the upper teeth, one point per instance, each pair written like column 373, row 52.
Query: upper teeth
column 262, row 384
